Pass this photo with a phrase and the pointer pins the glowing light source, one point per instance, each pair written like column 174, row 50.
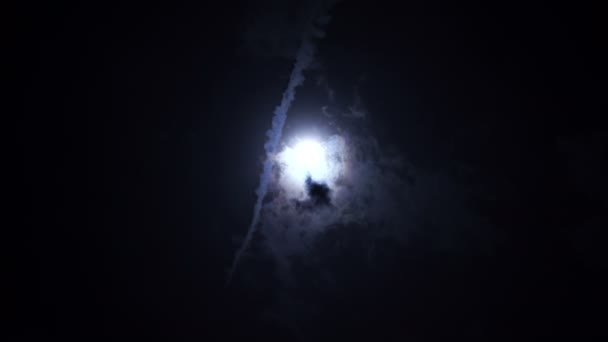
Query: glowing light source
column 307, row 158
column 319, row 160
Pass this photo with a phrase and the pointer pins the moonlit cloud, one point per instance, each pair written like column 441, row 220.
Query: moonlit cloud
column 304, row 59
column 362, row 189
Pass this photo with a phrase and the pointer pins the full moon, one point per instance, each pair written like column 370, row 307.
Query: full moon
column 307, row 158
column 322, row 161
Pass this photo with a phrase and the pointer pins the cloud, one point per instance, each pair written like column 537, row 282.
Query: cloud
column 316, row 17
column 318, row 193
column 368, row 191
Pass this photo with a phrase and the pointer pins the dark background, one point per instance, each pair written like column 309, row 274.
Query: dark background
column 139, row 139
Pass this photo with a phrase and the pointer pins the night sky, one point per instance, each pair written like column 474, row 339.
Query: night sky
column 474, row 203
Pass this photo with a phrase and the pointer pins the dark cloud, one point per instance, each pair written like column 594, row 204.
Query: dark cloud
column 318, row 193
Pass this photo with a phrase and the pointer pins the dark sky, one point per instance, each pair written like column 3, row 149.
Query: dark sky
column 140, row 136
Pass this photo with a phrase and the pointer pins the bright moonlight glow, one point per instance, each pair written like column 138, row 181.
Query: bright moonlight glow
column 307, row 158
column 319, row 160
